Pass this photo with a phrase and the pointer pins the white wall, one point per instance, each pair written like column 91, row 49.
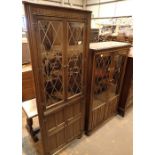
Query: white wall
column 72, row 3
column 122, row 8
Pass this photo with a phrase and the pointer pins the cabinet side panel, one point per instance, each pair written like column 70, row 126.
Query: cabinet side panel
column 33, row 52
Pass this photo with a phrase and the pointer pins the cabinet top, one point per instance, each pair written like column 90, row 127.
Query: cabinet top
column 45, row 4
column 107, row 45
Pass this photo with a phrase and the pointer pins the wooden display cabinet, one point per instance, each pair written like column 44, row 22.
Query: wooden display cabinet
column 107, row 61
column 58, row 40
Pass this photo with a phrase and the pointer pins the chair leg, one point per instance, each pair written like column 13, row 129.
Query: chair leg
column 29, row 124
column 32, row 131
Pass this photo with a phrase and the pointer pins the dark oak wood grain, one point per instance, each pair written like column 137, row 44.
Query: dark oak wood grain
column 58, row 40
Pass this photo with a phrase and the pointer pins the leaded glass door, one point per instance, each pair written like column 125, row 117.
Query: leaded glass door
column 51, row 35
column 75, row 60
column 60, row 63
column 107, row 73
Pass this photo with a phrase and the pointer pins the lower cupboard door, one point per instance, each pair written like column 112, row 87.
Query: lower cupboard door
column 63, row 125
column 73, row 129
column 56, row 140
column 56, row 131
column 74, row 121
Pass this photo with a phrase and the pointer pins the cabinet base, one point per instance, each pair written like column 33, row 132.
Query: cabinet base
column 121, row 112
column 90, row 131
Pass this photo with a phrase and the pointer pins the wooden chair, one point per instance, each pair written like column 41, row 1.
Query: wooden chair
column 31, row 112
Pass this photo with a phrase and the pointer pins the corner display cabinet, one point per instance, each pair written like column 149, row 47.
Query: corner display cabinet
column 107, row 61
column 58, row 40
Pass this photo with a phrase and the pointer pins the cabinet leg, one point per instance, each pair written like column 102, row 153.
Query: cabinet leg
column 121, row 112
column 80, row 135
column 88, row 132
column 29, row 124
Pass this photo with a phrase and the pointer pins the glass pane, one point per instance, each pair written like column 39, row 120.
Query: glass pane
column 75, row 57
column 106, row 78
column 51, row 48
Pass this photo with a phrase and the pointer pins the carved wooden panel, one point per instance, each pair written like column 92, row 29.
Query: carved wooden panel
column 73, row 114
column 55, row 126
column 103, row 112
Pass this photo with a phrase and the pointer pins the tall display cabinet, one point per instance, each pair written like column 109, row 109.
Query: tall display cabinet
column 58, row 40
column 107, row 61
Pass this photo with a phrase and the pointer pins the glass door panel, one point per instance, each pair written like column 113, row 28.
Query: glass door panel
column 51, row 34
column 106, row 77
column 75, row 31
